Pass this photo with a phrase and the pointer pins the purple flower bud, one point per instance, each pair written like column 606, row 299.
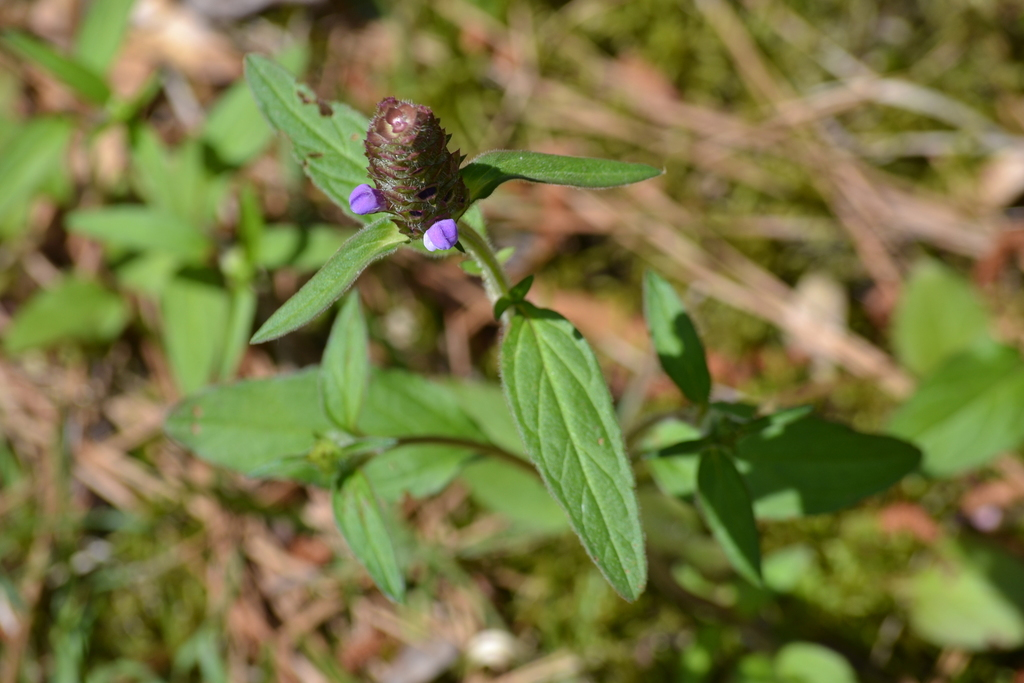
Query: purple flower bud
column 441, row 235
column 365, row 199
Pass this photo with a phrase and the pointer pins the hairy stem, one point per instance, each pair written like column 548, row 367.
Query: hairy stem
column 494, row 275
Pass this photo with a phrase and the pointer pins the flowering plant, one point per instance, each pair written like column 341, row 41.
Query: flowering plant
column 359, row 431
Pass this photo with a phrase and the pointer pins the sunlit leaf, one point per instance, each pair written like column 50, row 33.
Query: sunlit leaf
column 675, row 339
column 345, row 368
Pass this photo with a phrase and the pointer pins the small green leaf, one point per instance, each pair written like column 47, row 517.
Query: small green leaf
column 968, row 412
column 345, row 369
column 247, row 425
column 375, row 241
column 812, row 663
column 514, row 494
column 358, row 516
column 490, row 169
column 725, row 502
column 812, row 466
column 140, row 228
column 194, row 313
column 30, row 158
column 970, row 598
column 516, row 294
column 72, row 310
column 235, row 129
column 327, row 137
column 101, row 33
column 675, row 339
column 560, row 402
column 76, row 76
column 939, row 315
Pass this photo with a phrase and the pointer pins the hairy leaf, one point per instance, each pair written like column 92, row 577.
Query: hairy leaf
column 369, row 244
column 561, row 404
column 358, row 516
column 490, row 169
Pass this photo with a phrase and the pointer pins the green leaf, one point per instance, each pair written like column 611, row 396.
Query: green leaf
column 179, row 182
column 939, row 315
column 247, row 425
column 327, row 137
column 560, row 402
column 675, row 339
column 376, row 240
column 725, row 503
column 490, row 169
column 194, row 313
column 345, row 369
column 140, row 228
column 304, row 250
column 811, row 663
column 970, row 598
column 484, row 403
column 401, row 403
column 968, row 412
column 514, row 494
column 811, row 466
column 30, row 158
column 237, row 331
column 358, row 516
column 76, row 76
column 516, row 294
column 235, row 128
column 72, row 310
column 101, row 33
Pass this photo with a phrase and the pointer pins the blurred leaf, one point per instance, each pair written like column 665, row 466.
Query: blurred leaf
column 968, row 412
column 375, row 241
column 304, row 250
column 235, row 128
column 725, row 504
column 202, row 651
column 345, row 368
column 194, row 313
column 177, row 182
column 811, row 663
column 327, row 137
column 30, row 157
column 71, row 310
column 76, row 76
column 251, row 226
column 101, row 33
column 249, row 424
column 419, row 471
column 358, row 516
column 561, row 403
column 810, row 466
column 490, row 169
column 938, row 316
column 513, row 493
column 140, row 228
column 484, row 403
column 971, row 598
column 675, row 339
column 148, row 273
column 783, row 569
column 237, row 331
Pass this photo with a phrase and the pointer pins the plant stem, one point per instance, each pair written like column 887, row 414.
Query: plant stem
column 468, row 444
column 481, row 251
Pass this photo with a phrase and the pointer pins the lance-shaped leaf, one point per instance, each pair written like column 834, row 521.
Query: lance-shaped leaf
column 79, row 78
column 345, row 370
column 491, row 169
column 561, row 404
column 327, row 136
column 725, row 503
column 369, row 244
column 358, row 516
column 675, row 339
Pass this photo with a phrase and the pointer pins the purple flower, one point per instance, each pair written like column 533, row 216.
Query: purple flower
column 441, row 235
column 365, row 199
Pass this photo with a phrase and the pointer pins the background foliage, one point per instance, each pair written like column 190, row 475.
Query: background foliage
column 840, row 208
